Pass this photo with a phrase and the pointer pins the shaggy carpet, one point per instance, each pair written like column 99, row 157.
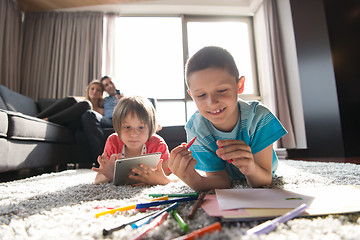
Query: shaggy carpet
column 63, row 206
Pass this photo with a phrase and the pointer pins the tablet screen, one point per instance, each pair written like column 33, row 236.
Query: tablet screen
column 123, row 166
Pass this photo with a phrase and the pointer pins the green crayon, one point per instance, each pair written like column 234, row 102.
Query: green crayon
column 184, row 226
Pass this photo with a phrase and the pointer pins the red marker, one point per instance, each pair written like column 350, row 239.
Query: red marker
column 153, row 224
column 190, row 143
column 230, row 160
column 201, row 232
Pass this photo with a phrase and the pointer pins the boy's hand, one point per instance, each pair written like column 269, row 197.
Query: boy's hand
column 239, row 152
column 181, row 162
column 148, row 176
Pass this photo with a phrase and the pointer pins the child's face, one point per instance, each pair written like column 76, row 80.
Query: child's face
column 134, row 133
column 215, row 91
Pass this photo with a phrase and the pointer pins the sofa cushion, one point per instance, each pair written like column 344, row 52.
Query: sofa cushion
column 173, row 135
column 3, row 123
column 24, row 127
column 17, row 102
column 2, row 104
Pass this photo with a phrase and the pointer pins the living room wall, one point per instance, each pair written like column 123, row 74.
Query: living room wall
column 327, row 38
column 343, row 21
column 317, row 80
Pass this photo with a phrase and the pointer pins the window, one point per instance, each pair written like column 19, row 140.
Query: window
column 149, row 58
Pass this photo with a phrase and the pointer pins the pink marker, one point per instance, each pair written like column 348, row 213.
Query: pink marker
column 230, row 160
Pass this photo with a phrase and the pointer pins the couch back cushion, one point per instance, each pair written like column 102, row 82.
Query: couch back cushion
column 173, row 135
column 17, row 102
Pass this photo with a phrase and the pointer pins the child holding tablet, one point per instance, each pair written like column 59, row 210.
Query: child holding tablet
column 234, row 138
column 135, row 125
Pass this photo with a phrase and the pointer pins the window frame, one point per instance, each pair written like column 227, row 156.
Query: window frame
column 196, row 18
column 209, row 18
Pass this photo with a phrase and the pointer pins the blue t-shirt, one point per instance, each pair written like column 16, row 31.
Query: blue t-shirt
column 109, row 105
column 256, row 126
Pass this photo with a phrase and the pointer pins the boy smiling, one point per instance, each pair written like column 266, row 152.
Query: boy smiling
column 234, row 138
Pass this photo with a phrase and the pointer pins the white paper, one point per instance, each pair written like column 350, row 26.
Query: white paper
column 260, row 198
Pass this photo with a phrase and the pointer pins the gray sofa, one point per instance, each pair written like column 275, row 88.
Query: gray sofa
column 28, row 142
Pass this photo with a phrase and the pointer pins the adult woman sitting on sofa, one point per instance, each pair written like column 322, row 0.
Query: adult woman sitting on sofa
column 94, row 94
column 68, row 111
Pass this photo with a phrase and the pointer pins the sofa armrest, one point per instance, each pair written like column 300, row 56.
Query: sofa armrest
column 4, row 123
column 24, row 127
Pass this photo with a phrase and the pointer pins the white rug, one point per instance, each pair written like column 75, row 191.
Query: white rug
column 63, row 206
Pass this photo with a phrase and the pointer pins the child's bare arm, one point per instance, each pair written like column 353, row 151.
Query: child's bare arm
column 263, row 174
column 255, row 167
column 212, row 180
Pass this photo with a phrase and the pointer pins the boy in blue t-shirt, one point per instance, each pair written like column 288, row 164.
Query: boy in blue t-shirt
column 234, row 138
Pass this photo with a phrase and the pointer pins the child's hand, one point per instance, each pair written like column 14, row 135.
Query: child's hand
column 148, row 176
column 239, row 152
column 106, row 166
column 181, row 162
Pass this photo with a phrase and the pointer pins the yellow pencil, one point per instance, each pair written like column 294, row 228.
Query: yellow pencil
column 112, row 211
column 160, row 198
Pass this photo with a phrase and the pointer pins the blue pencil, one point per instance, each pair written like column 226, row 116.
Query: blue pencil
column 148, row 219
column 157, row 203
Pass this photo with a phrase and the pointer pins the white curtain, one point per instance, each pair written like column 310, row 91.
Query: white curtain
column 270, row 63
column 109, row 45
column 62, row 53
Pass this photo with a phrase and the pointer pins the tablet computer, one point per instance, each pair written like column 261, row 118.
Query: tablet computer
column 123, row 167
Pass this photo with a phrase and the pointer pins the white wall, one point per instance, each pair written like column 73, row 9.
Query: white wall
column 292, row 71
column 265, row 73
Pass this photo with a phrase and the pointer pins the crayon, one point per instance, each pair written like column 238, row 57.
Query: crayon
column 183, row 225
column 201, row 232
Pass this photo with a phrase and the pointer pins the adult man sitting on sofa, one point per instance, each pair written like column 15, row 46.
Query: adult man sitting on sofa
column 109, row 101
column 94, row 123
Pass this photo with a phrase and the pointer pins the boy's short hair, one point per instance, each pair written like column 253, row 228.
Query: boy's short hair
column 208, row 57
column 139, row 106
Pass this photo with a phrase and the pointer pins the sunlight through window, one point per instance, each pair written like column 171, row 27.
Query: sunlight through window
column 149, row 58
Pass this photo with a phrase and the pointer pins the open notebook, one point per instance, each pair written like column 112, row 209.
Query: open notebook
column 253, row 204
